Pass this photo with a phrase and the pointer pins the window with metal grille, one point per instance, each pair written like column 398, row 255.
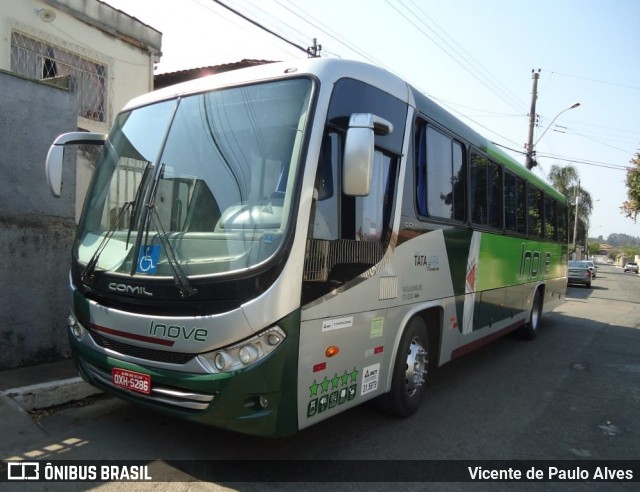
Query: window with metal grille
column 41, row 60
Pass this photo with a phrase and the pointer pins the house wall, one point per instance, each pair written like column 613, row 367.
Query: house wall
column 96, row 31
column 36, row 229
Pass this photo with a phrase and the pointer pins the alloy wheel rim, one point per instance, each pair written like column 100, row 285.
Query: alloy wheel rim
column 416, row 369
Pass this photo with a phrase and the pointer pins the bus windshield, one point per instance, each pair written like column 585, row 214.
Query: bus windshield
column 215, row 172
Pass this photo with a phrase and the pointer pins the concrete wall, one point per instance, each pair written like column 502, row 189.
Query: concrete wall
column 95, row 31
column 36, row 229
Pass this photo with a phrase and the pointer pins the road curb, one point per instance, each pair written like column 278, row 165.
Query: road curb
column 44, row 395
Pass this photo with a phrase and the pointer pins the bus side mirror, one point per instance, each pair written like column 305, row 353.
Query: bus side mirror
column 53, row 165
column 359, row 152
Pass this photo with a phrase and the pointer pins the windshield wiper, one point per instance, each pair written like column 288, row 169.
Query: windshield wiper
column 137, row 199
column 180, row 278
column 87, row 276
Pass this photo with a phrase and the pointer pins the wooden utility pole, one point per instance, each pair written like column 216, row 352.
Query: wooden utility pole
column 532, row 119
column 575, row 222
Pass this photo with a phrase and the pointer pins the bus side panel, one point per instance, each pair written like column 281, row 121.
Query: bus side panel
column 555, row 293
column 341, row 361
column 356, row 319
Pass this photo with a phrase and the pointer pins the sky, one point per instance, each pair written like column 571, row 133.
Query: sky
column 474, row 57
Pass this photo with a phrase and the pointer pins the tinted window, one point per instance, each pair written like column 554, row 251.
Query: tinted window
column 353, row 96
column 440, row 175
column 337, row 216
column 562, row 223
column 535, row 206
column 514, row 204
column 486, row 192
column 550, row 217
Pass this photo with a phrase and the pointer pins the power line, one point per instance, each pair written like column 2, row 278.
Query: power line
column 621, row 130
column 593, row 140
column 502, row 90
column 616, row 84
column 347, row 44
column 357, row 50
column 332, row 34
column 408, row 19
column 329, row 32
column 462, row 58
column 606, row 165
column 257, row 24
column 587, row 133
column 266, row 14
column 487, row 112
column 362, row 53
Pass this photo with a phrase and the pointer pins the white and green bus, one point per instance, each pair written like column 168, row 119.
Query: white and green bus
column 262, row 249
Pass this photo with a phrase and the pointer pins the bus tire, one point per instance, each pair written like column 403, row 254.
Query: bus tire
column 409, row 377
column 530, row 330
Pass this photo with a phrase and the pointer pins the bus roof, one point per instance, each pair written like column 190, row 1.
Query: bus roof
column 325, row 69
column 333, row 69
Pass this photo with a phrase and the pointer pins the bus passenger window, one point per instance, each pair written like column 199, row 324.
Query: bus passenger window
column 440, row 175
column 494, row 199
column 479, row 189
column 514, row 204
column 535, row 207
column 549, row 218
column 459, row 181
column 562, row 223
column 486, row 192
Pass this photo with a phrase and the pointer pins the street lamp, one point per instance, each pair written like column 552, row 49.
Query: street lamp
column 530, row 146
column 564, row 110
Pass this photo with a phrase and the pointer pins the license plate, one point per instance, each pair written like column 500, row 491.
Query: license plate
column 130, row 380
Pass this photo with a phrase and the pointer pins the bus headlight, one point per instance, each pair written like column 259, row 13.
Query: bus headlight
column 245, row 353
column 248, row 354
column 75, row 327
column 222, row 361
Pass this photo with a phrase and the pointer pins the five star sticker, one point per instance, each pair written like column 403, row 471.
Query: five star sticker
column 334, row 382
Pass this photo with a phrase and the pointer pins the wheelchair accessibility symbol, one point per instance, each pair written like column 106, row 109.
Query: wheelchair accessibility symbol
column 148, row 259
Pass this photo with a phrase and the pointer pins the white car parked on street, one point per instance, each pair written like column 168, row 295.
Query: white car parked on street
column 632, row 266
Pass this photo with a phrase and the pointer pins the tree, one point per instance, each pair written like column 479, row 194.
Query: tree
column 566, row 180
column 630, row 251
column 631, row 207
column 594, row 249
column 619, row 240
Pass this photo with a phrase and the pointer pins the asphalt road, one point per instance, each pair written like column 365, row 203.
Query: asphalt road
column 572, row 394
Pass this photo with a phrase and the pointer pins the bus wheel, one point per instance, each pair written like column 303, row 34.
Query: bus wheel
column 530, row 330
column 410, row 371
